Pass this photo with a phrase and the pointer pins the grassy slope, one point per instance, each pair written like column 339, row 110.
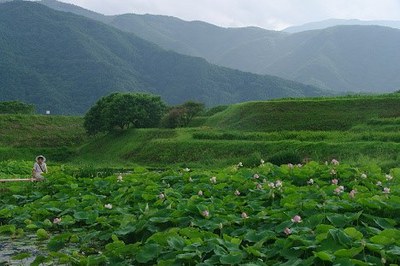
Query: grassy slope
column 340, row 113
column 24, row 136
column 355, row 135
column 354, row 129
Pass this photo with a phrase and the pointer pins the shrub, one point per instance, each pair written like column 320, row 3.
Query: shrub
column 285, row 157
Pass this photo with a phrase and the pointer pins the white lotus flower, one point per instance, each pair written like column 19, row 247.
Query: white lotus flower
column 213, row 179
column 389, row 177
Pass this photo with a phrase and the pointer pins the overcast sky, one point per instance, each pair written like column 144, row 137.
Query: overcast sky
column 269, row 14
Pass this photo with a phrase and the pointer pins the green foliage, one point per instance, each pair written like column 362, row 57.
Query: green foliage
column 285, row 157
column 268, row 214
column 16, row 107
column 123, row 111
column 72, row 62
column 182, row 115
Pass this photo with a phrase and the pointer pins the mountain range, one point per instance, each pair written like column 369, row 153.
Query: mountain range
column 64, row 62
column 328, row 54
column 318, row 25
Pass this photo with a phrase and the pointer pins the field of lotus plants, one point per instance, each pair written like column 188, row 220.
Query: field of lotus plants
column 312, row 214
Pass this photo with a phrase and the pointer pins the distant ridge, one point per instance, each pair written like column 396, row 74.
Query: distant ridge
column 318, row 25
column 64, row 63
column 358, row 58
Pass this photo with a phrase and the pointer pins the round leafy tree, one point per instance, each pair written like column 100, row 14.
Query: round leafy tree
column 124, row 110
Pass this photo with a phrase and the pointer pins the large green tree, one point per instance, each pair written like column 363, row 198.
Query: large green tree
column 124, row 110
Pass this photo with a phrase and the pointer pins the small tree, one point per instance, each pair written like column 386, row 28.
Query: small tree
column 182, row 115
column 122, row 111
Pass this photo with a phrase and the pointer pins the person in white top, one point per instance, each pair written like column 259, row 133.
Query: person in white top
column 39, row 167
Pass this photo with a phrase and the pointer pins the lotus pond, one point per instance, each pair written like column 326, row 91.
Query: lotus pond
column 313, row 214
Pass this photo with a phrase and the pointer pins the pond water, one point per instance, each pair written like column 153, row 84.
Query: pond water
column 9, row 248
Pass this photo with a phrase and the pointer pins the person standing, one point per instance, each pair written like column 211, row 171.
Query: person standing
column 39, row 168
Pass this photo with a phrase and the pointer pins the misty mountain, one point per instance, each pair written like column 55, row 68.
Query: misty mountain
column 63, row 62
column 318, row 25
column 345, row 58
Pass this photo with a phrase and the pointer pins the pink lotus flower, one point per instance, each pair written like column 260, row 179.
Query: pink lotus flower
column 244, row 215
column 237, row 192
column 259, row 186
column 352, row 194
column 287, row 231
column 205, row 213
column 256, row 176
column 339, row 190
column 310, row 182
column 296, row 219
column 364, row 176
column 57, row 220
column 161, row 196
column 213, row 180
column 200, row 193
column 386, row 190
column 335, row 181
column 335, row 162
column 108, row 206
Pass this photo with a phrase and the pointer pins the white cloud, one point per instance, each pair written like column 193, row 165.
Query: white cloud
column 270, row 14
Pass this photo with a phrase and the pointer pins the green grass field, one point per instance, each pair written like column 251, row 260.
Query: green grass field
column 355, row 129
column 340, row 113
column 359, row 130
column 25, row 136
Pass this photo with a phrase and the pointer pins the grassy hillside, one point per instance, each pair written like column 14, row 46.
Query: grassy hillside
column 358, row 130
column 63, row 62
column 308, row 114
column 25, row 136
column 345, row 58
column 365, row 131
